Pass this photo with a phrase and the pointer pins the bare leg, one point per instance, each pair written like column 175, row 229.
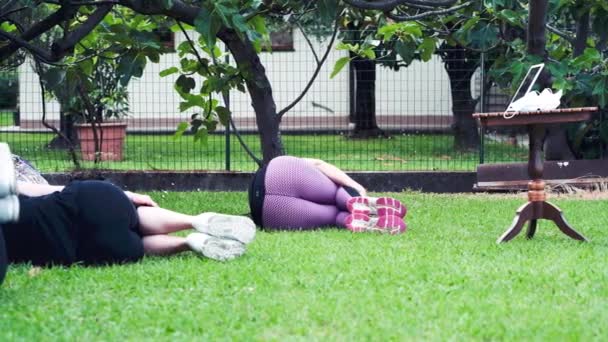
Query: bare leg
column 164, row 244
column 155, row 221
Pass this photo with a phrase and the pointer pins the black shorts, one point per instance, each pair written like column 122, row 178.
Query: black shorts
column 257, row 192
column 3, row 261
column 92, row 222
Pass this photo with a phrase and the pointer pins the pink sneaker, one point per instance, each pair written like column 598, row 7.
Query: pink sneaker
column 381, row 206
column 385, row 224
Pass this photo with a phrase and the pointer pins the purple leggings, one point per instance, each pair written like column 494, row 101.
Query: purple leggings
column 298, row 196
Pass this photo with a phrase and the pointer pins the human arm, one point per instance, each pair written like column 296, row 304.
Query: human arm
column 140, row 199
column 336, row 175
column 35, row 190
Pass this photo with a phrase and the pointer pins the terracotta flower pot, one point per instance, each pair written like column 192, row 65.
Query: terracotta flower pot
column 112, row 143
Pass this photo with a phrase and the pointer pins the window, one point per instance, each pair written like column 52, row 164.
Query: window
column 166, row 38
column 281, row 41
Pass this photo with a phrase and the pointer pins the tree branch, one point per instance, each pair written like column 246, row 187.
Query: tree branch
column 43, row 54
column 86, row 3
column 37, row 29
column 6, row 14
column 389, row 5
column 312, row 49
column 61, row 48
column 427, row 14
column 244, row 145
column 582, row 33
column 562, row 34
column 314, row 75
column 38, row 68
column 8, row 5
column 179, row 10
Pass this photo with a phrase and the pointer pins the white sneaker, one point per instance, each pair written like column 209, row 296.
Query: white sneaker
column 9, row 209
column 239, row 228
column 215, row 248
column 8, row 184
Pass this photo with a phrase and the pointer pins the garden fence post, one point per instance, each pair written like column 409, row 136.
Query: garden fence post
column 482, row 104
column 226, row 95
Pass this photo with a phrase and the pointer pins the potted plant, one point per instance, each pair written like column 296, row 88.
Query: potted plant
column 99, row 111
column 93, row 98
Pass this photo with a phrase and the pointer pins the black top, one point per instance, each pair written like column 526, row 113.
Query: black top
column 257, row 191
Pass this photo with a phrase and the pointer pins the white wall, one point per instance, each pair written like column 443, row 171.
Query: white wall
column 421, row 89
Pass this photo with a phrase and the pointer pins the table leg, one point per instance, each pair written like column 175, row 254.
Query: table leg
column 531, row 229
column 523, row 215
column 553, row 213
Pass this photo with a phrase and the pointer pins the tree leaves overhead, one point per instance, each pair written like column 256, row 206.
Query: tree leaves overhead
column 208, row 25
column 340, row 63
column 131, row 65
column 185, row 84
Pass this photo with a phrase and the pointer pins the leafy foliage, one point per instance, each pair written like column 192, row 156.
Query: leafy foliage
column 92, row 82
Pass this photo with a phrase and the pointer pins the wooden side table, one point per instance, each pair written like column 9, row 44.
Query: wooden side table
column 537, row 207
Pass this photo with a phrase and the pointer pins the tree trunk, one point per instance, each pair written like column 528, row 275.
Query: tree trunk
column 66, row 127
column 260, row 92
column 460, row 67
column 556, row 143
column 364, row 115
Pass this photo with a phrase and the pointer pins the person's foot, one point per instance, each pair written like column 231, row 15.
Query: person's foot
column 385, row 224
column 378, row 206
column 215, row 248
column 8, row 184
column 238, row 228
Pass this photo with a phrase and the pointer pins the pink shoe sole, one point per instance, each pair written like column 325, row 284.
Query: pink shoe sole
column 382, row 206
column 390, row 224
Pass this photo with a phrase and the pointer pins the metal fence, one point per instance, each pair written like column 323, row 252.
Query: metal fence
column 413, row 109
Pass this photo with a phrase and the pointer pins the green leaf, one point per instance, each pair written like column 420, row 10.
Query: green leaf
column 201, row 135
column 175, row 27
column 239, row 23
column 167, row 72
column 427, row 48
column 185, row 84
column 406, row 50
column 340, row 63
column 181, row 128
column 328, row 9
column 208, row 25
column 483, row 37
column 511, row 17
column 167, row 4
column 223, row 114
column 130, row 65
column 600, row 90
column 344, row 46
column 412, row 29
column 588, row 59
column 192, row 101
column 468, row 25
column 8, row 27
column 87, row 66
column 368, row 52
column 259, row 24
column 388, row 31
column 210, row 124
column 54, row 77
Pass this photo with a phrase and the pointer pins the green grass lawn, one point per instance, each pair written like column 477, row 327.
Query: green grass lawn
column 163, row 152
column 6, row 118
column 445, row 279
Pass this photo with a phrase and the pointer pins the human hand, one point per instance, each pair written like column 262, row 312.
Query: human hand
column 361, row 190
column 139, row 199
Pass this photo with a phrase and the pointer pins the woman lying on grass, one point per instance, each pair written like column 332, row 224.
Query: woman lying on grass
column 301, row 193
column 94, row 222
